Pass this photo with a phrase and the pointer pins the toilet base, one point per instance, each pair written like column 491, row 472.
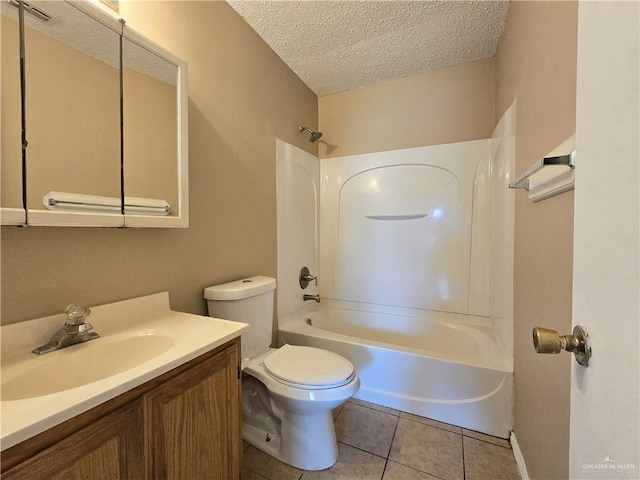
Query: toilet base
column 307, row 442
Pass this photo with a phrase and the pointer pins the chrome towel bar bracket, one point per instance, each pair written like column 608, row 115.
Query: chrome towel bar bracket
column 563, row 160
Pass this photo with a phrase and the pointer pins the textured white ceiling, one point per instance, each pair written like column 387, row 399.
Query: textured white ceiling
column 339, row 45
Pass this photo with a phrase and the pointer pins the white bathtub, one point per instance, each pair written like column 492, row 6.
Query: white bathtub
column 436, row 367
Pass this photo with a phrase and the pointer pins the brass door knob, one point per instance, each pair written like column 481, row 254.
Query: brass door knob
column 549, row 341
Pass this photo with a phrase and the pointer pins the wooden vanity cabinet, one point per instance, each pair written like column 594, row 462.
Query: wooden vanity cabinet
column 185, row 424
column 111, row 448
column 193, row 426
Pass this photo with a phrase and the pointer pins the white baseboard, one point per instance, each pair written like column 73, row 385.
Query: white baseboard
column 522, row 468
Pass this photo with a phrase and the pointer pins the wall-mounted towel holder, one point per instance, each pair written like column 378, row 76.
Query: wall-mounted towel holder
column 96, row 203
column 552, row 175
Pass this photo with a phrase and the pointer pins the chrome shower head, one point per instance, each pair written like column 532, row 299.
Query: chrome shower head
column 315, row 136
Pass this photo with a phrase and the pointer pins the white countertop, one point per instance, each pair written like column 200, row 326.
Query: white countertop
column 192, row 335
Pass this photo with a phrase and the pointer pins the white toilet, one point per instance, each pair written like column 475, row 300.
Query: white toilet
column 287, row 393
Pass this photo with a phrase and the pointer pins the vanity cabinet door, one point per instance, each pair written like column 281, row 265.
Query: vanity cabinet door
column 111, row 448
column 193, row 422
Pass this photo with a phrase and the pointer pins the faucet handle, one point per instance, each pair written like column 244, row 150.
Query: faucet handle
column 76, row 314
column 77, row 329
column 306, row 277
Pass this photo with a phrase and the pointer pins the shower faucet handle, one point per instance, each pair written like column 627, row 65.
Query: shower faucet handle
column 306, row 277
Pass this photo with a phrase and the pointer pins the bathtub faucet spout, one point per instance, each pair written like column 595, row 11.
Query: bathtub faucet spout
column 306, row 297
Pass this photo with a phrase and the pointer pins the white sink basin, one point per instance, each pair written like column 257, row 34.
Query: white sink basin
column 80, row 364
column 140, row 339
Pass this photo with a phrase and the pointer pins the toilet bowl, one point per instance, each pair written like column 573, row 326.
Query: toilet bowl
column 289, row 392
column 306, row 436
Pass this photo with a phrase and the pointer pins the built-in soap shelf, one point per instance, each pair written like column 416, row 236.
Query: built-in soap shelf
column 397, row 217
column 552, row 175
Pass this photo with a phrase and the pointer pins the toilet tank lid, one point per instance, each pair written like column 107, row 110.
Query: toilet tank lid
column 239, row 289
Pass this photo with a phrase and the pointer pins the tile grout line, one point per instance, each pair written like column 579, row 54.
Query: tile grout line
column 418, row 470
column 378, row 409
column 393, row 437
column 464, row 465
column 361, row 449
column 461, row 432
column 487, row 441
column 410, row 466
column 400, row 412
column 434, row 426
column 386, row 462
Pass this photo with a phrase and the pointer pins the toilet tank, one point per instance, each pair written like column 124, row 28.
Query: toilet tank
column 249, row 300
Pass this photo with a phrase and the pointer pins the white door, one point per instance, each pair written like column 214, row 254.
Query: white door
column 605, row 399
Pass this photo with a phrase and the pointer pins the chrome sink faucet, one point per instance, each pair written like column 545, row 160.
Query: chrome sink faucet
column 75, row 330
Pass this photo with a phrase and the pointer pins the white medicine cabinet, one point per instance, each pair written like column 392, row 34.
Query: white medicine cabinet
column 94, row 121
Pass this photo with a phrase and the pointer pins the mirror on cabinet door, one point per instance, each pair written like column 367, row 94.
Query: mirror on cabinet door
column 103, row 140
column 72, row 116
column 12, row 210
column 154, row 126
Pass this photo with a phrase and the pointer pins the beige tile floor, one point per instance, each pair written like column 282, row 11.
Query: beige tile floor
column 379, row 443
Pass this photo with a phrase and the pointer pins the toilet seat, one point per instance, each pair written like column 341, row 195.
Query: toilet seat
column 308, row 367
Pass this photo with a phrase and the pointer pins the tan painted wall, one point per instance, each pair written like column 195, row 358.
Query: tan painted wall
column 536, row 64
column 444, row 106
column 240, row 100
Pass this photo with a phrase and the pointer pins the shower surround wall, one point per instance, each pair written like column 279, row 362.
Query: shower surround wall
column 397, row 228
column 427, row 229
column 410, row 233
column 298, row 196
